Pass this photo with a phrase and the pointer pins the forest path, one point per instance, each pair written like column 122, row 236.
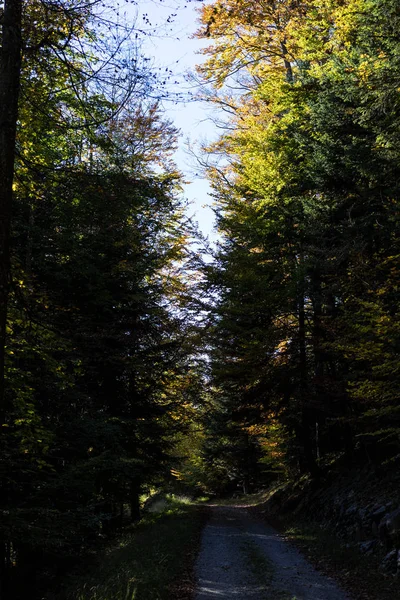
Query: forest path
column 242, row 557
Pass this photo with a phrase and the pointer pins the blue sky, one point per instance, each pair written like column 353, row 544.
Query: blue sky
column 171, row 47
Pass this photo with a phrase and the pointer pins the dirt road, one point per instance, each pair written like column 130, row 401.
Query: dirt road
column 243, row 558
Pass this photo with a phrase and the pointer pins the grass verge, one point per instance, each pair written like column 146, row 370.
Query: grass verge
column 153, row 562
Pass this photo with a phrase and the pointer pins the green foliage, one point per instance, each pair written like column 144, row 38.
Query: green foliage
column 304, row 335
column 97, row 350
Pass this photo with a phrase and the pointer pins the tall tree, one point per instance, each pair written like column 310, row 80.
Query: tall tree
column 10, row 73
column 94, row 346
column 305, row 188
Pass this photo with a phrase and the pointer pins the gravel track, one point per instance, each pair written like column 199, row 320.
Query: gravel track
column 243, row 558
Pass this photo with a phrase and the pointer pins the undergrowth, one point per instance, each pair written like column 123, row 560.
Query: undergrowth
column 149, row 563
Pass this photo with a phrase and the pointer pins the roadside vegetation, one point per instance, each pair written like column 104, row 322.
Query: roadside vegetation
column 152, row 561
column 357, row 573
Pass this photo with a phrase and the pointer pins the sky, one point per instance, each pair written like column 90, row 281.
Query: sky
column 171, row 46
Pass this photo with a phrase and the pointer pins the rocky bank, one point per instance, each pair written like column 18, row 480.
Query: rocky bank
column 361, row 507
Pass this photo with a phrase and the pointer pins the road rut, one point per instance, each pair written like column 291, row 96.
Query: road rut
column 243, row 558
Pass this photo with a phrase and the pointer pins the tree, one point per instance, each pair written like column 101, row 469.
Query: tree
column 93, row 343
column 47, row 46
column 10, row 69
column 304, row 186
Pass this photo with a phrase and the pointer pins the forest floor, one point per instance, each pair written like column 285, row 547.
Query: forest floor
column 243, row 557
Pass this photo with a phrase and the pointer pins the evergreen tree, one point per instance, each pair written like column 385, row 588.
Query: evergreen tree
column 94, row 346
column 303, row 202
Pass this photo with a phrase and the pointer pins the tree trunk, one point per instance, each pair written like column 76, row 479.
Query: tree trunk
column 247, row 467
column 288, row 66
column 135, row 501
column 10, row 69
column 318, row 357
column 307, row 420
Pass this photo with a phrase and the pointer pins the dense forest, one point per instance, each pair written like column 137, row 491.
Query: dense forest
column 303, row 334
column 129, row 361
